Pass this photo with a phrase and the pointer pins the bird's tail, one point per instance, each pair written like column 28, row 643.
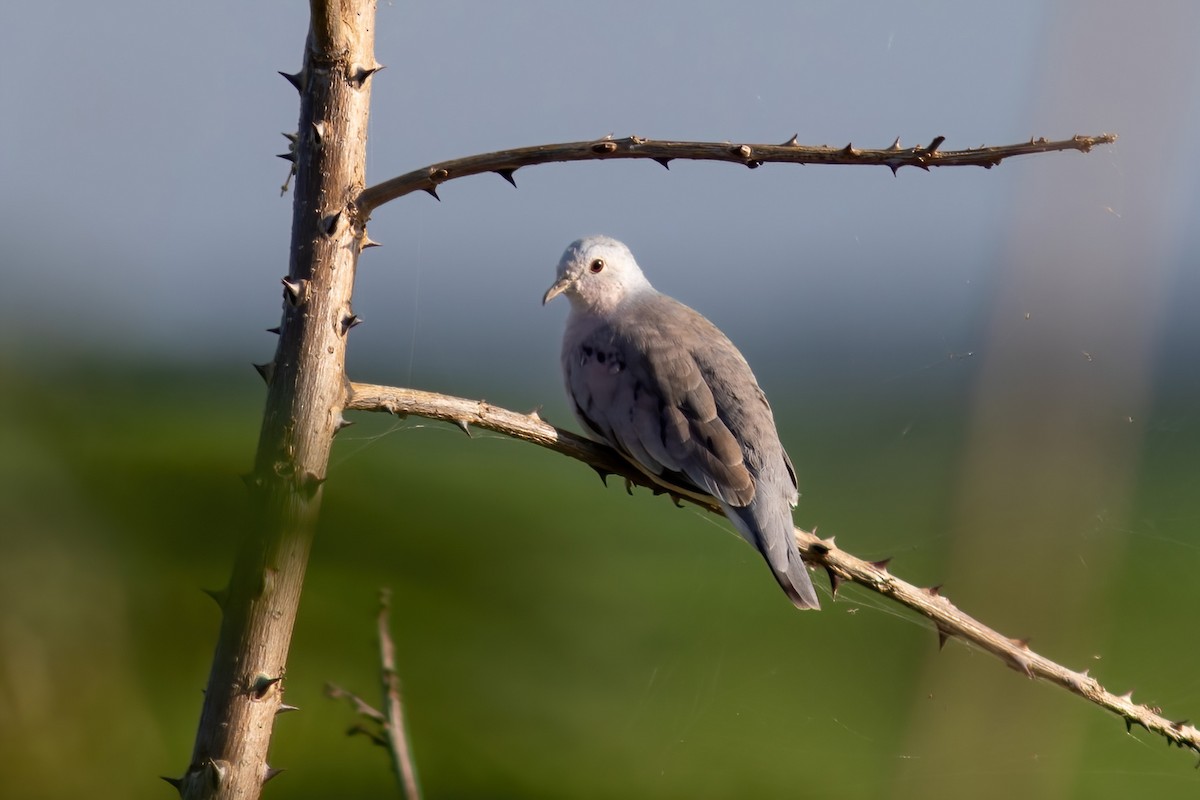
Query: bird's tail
column 774, row 537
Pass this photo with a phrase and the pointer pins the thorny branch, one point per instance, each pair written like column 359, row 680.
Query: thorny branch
column 389, row 730
column 506, row 162
column 840, row 565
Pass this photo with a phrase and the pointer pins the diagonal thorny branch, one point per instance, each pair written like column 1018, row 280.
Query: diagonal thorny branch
column 507, row 162
column 840, row 565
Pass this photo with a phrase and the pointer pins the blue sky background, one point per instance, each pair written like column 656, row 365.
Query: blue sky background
column 141, row 212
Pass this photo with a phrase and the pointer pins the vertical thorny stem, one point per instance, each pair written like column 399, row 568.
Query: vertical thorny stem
column 306, row 394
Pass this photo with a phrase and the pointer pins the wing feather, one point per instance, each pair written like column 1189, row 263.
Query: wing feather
column 644, row 386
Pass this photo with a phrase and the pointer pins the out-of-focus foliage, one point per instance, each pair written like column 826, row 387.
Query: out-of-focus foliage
column 556, row 638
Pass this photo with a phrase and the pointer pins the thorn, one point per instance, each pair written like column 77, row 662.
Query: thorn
column 1178, row 724
column 935, row 144
column 943, row 635
column 464, row 426
column 629, row 487
column 666, row 162
column 535, row 415
column 342, row 424
column 676, row 499
column 294, row 138
column 606, row 146
column 285, row 708
column 792, row 142
column 896, row 145
column 835, row 582
column 350, row 321
column 276, row 330
column 318, row 132
column 310, row 482
column 329, row 225
column 175, row 782
column 367, row 241
column 266, row 371
column 297, row 80
column 1023, row 665
column 295, row 291
column 895, row 168
column 1127, row 697
column 1128, row 725
column 831, row 542
column 262, row 685
column 433, row 191
column 219, row 596
column 216, row 771
column 603, row 473
column 934, row 591
column 507, row 174
column 270, row 772
column 881, row 565
column 360, row 74
column 849, row 150
column 289, row 156
column 1021, row 643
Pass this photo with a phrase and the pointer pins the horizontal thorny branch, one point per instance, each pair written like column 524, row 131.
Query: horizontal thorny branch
column 841, row 566
column 506, row 162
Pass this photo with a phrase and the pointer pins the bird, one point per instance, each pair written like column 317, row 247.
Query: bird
column 670, row 392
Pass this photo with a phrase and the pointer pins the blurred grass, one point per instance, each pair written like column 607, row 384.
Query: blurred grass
column 554, row 638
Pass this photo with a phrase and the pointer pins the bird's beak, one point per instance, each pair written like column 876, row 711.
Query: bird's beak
column 558, row 288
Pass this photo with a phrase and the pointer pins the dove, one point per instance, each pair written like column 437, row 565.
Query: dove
column 663, row 386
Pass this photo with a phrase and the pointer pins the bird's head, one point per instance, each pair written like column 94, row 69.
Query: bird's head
column 596, row 273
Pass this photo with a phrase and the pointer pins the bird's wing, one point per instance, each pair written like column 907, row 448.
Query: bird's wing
column 647, row 382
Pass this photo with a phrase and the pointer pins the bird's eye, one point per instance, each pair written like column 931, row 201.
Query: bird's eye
column 596, row 265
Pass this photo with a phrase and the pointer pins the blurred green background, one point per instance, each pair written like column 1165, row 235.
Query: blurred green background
column 556, row 638
column 991, row 375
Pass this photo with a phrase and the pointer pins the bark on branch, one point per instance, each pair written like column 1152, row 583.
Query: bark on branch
column 306, row 389
column 841, row 566
column 506, row 162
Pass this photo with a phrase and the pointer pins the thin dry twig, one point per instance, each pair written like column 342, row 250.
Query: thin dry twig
column 841, row 566
column 506, row 162
column 387, row 729
column 397, row 734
